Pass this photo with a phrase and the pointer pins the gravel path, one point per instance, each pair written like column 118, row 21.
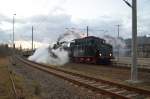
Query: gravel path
column 51, row 87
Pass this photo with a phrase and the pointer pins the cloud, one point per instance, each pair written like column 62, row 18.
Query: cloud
column 48, row 27
column 52, row 25
column 4, row 37
column 104, row 25
column 4, row 18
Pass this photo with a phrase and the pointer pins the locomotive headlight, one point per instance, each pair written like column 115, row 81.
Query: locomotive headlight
column 100, row 54
column 110, row 54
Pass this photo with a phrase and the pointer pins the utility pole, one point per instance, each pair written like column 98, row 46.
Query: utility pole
column 32, row 38
column 118, row 26
column 20, row 47
column 87, row 31
column 134, row 68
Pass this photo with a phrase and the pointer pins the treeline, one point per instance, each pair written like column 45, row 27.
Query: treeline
column 5, row 50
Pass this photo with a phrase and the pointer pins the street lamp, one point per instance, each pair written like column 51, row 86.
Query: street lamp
column 13, row 31
column 32, row 38
column 13, row 52
column 134, row 69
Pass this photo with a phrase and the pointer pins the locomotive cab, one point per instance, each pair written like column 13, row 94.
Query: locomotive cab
column 105, row 53
column 90, row 50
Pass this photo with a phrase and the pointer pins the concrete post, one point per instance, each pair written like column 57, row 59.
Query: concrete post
column 134, row 68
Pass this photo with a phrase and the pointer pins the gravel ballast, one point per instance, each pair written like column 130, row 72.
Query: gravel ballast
column 52, row 87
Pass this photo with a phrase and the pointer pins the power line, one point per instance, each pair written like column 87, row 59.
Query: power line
column 128, row 3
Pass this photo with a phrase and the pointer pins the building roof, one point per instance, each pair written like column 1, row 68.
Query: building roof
column 141, row 40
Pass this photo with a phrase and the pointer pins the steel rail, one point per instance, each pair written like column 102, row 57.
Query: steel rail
column 12, row 80
column 13, row 84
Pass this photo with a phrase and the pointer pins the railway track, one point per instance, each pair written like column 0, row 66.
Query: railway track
column 111, row 89
column 18, row 93
column 142, row 63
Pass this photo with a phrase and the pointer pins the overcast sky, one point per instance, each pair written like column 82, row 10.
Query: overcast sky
column 51, row 17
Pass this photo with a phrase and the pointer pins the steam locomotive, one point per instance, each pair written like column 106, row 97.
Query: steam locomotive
column 90, row 49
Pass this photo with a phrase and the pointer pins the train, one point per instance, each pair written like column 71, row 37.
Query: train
column 90, row 49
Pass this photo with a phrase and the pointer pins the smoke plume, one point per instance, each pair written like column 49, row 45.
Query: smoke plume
column 47, row 55
column 56, row 54
column 116, row 43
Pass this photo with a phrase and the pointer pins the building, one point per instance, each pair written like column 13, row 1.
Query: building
column 143, row 49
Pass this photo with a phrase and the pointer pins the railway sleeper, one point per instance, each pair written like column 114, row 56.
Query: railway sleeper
column 103, row 86
column 115, row 90
column 135, row 96
column 91, row 82
column 80, row 79
column 86, row 80
column 112, row 89
column 132, row 95
column 83, row 80
column 120, row 91
column 129, row 94
column 97, row 84
column 75, row 77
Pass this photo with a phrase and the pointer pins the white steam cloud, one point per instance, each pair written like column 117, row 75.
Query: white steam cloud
column 116, row 43
column 42, row 55
column 56, row 55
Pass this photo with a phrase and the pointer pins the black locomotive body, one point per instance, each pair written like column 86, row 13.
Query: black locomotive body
column 90, row 49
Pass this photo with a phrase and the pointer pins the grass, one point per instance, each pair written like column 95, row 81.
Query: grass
column 28, row 91
column 5, row 84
